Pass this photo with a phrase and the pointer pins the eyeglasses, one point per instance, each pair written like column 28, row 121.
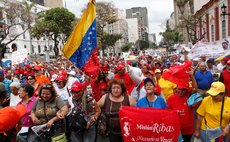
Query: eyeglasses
column 46, row 86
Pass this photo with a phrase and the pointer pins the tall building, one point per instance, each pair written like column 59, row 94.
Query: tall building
column 49, row 3
column 141, row 13
column 40, row 2
column 152, row 38
column 119, row 27
column 132, row 29
column 179, row 23
column 53, row 3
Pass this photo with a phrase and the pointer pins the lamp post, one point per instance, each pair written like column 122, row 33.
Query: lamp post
column 224, row 11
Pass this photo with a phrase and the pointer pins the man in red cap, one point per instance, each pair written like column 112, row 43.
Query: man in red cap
column 225, row 78
column 122, row 74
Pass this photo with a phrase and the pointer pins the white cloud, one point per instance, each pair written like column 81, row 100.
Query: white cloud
column 158, row 10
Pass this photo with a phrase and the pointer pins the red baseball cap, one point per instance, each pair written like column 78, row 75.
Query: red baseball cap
column 120, row 67
column 61, row 77
column 77, row 86
column 37, row 68
column 228, row 62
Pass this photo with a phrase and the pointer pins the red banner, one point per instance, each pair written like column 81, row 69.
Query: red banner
column 149, row 125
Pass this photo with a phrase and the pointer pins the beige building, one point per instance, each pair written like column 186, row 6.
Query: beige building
column 179, row 24
column 53, row 3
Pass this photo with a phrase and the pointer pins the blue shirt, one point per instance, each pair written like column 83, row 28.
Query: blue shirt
column 204, row 79
column 7, row 83
column 158, row 103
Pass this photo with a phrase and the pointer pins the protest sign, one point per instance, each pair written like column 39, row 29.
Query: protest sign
column 19, row 56
column 149, row 125
column 210, row 49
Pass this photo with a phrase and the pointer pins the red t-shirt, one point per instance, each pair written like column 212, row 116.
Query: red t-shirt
column 226, row 82
column 186, row 114
column 129, row 83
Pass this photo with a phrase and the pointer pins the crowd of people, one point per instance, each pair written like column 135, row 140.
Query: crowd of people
column 70, row 103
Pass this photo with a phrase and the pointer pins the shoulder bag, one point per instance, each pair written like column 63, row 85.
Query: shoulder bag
column 215, row 132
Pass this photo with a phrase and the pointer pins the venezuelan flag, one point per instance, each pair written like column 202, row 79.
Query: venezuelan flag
column 81, row 47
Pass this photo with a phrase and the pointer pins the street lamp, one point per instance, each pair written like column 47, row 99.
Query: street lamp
column 224, row 11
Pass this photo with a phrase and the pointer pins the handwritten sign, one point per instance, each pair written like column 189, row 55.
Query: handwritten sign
column 19, row 56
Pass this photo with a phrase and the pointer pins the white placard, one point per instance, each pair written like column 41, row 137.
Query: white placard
column 19, row 56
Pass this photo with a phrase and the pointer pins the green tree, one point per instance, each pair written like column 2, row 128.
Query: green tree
column 189, row 21
column 171, row 37
column 18, row 15
column 126, row 47
column 105, row 15
column 56, row 24
column 109, row 40
column 142, row 45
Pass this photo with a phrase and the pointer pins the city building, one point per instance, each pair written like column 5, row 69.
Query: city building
column 141, row 13
column 152, row 38
column 212, row 23
column 53, row 3
column 119, row 27
column 49, row 3
column 171, row 21
column 132, row 29
column 179, row 14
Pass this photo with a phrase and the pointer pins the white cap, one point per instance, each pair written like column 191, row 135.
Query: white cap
column 73, row 73
column 54, row 76
column 195, row 59
column 187, row 49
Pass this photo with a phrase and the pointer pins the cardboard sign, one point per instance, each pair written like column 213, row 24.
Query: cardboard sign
column 149, row 125
column 19, row 56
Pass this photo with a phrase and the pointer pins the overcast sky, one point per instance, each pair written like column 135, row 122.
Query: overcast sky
column 158, row 10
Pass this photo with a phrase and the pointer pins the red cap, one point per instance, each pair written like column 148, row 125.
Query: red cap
column 104, row 68
column 61, row 77
column 183, row 86
column 120, row 67
column 28, row 66
column 77, row 86
column 37, row 67
column 148, row 67
column 102, row 85
column 228, row 62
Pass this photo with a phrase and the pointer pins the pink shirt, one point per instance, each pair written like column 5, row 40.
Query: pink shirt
column 26, row 119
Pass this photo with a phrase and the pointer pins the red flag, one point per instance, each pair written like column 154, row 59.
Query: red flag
column 178, row 74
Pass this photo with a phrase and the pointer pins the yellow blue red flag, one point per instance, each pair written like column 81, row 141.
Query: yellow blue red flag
column 81, row 47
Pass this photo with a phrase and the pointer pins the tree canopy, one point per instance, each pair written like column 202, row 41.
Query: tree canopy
column 56, row 23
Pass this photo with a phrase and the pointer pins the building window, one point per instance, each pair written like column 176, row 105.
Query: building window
column 212, row 33
column 39, row 49
column 204, row 33
column 224, row 29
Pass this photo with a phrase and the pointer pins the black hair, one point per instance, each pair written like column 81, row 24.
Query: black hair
column 28, row 89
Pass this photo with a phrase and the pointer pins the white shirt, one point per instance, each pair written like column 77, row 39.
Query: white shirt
column 14, row 100
column 63, row 93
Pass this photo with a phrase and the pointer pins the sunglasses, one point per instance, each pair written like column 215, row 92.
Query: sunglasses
column 46, row 86
column 30, row 78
